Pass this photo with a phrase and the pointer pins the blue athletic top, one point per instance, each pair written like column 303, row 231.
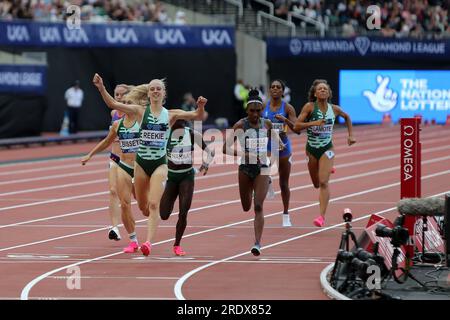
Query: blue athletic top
column 280, row 126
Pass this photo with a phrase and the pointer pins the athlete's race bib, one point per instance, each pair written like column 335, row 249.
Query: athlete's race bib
column 322, row 131
column 180, row 156
column 153, row 138
column 129, row 145
column 278, row 126
column 258, row 145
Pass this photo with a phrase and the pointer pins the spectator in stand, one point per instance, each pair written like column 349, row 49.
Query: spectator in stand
column 402, row 18
column 180, row 18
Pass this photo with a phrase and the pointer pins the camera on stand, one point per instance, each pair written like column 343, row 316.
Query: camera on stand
column 399, row 236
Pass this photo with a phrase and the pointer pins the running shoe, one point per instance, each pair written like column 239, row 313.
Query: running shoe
column 132, row 247
column 286, row 220
column 114, row 234
column 256, row 250
column 146, row 247
column 333, row 170
column 178, row 251
column 319, row 221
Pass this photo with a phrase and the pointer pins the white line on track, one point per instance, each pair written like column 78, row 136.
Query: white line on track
column 351, row 164
column 369, row 173
column 228, row 173
column 25, row 292
column 179, row 285
column 92, row 163
column 55, row 176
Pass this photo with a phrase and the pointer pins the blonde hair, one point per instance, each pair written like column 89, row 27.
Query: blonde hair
column 163, row 82
column 137, row 94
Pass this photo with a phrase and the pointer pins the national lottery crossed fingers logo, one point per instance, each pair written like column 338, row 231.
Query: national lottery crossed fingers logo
column 368, row 94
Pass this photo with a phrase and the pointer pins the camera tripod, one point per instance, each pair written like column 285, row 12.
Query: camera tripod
column 406, row 273
column 344, row 245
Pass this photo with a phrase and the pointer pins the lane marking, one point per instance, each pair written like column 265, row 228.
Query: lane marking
column 178, row 286
column 25, row 292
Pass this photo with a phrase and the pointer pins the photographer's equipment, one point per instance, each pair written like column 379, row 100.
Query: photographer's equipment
column 344, row 246
column 399, row 236
column 427, row 235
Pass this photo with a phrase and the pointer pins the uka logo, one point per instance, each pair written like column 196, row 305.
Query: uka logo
column 216, row 37
column 53, row 35
column 169, row 36
column 121, row 35
column 17, row 33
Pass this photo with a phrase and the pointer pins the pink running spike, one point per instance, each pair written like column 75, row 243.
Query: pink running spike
column 132, row 247
column 319, row 221
column 146, row 247
column 333, row 170
column 178, row 251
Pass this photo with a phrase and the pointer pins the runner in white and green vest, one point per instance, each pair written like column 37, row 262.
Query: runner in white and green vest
column 150, row 171
column 318, row 116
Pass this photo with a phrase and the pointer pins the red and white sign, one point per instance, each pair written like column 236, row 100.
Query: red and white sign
column 410, row 170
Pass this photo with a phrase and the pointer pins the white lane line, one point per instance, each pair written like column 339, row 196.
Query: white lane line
column 54, row 200
column 55, row 217
column 69, row 185
column 179, row 285
column 103, row 298
column 55, row 176
column 236, row 184
column 368, row 132
column 92, row 163
column 353, row 153
column 375, row 172
column 215, row 175
column 25, row 292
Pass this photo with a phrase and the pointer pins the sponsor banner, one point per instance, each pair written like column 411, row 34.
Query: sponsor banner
column 367, row 95
column 115, row 35
column 23, row 79
column 358, row 46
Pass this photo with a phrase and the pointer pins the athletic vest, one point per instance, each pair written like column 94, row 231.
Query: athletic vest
column 180, row 151
column 154, row 134
column 115, row 117
column 255, row 142
column 320, row 136
column 278, row 125
column 128, row 137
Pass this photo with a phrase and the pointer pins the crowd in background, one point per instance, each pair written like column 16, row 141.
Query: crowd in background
column 91, row 10
column 399, row 18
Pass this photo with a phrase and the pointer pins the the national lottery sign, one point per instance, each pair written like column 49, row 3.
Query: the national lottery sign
column 368, row 94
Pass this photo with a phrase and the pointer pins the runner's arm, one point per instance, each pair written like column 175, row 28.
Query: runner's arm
column 102, row 145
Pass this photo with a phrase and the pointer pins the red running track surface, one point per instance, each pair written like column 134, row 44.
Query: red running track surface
column 54, row 216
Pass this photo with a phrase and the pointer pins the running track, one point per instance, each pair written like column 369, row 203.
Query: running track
column 54, row 216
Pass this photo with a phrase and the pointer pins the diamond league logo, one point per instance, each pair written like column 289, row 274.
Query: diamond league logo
column 295, row 46
column 362, row 44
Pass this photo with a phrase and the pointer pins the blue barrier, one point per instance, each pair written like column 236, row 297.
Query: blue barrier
column 21, row 33
column 358, row 47
column 23, row 79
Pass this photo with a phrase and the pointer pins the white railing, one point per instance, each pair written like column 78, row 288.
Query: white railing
column 288, row 24
column 237, row 3
column 319, row 25
column 268, row 4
